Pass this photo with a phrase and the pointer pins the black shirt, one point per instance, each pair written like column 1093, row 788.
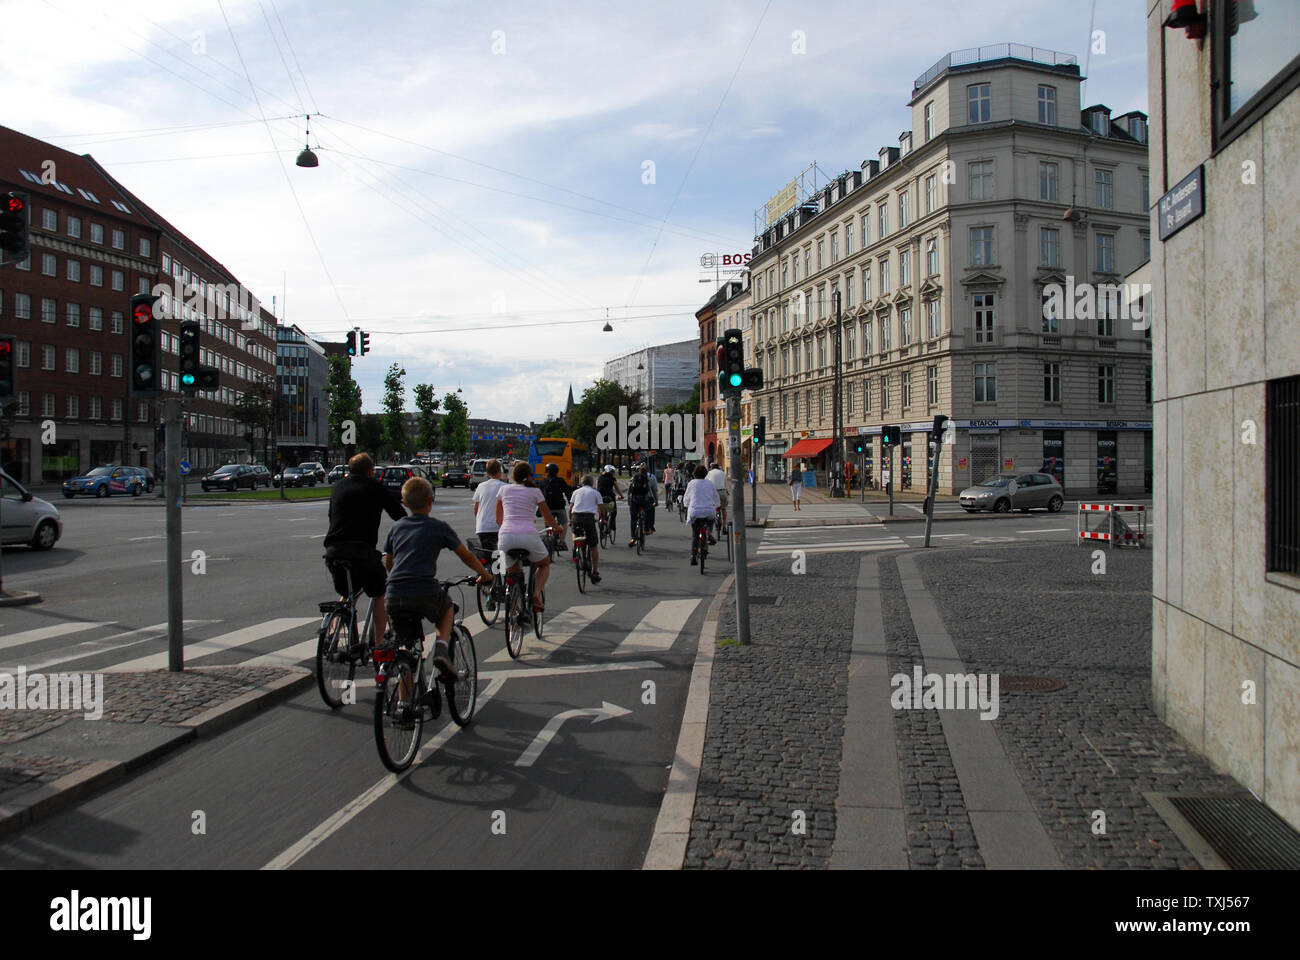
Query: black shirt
column 355, row 506
column 605, row 485
column 556, row 491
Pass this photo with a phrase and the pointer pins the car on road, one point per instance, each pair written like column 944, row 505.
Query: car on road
column 149, row 480
column 394, row 476
column 104, row 482
column 1005, row 493
column 231, row 477
column 477, row 473
column 25, row 518
column 456, row 477
column 317, row 469
column 338, row 472
column 263, row 475
column 296, row 477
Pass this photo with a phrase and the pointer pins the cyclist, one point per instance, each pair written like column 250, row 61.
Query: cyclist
column 609, row 488
column 517, row 504
column 356, row 502
column 654, row 498
column 411, row 559
column 585, row 504
column 557, row 494
column 719, row 481
column 681, row 476
column 668, row 485
column 639, row 494
column 485, row 514
column 701, row 507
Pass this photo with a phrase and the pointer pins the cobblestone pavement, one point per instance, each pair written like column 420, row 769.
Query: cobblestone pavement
column 776, row 722
column 1097, row 744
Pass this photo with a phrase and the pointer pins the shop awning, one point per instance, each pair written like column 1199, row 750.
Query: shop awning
column 809, row 447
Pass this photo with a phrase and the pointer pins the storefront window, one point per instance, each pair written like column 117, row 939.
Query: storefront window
column 61, row 460
column 1107, row 465
column 905, row 464
column 1054, row 454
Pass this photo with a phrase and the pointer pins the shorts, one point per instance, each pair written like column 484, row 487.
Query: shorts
column 367, row 569
column 796, row 489
column 428, row 606
column 722, row 498
column 561, row 516
column 584, row 525
column 523, row 541
column 487, row 541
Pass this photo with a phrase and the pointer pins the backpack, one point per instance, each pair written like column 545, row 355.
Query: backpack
column 605, row 485
column 640, row 487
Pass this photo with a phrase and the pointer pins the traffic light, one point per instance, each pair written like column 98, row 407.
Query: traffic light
column 145, row 366
column 13, row 225
column 760, row 432
column 365, row 343
column 8, row 348
column 189, row 357
column 859, row 446
column 936, row 431
column 891, row 435
column 753, row 378
column 352, row 343
column 731, row 360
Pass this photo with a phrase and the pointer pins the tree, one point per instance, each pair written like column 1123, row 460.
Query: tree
column 370, row 435
column 455, row 426
column 344, row 398
column 394, row 417
column 602, row 397
column 426, row 403
column 255, row 409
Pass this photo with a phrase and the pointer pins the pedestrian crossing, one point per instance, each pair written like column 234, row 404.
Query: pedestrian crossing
column 109, row 647
column 849, row 538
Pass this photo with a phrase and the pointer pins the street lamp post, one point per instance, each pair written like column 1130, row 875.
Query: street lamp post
column 837, row 421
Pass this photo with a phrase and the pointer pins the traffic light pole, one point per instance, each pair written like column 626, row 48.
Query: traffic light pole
column 934, row 445
column 738, row 510
column 172, row 416
column 889, row 487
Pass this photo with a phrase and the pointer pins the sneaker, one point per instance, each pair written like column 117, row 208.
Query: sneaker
column 632, row 542
column 595, row 578
column 442, row 659
column 712, row 541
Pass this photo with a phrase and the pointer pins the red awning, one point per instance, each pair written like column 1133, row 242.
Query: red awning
column 808, row 447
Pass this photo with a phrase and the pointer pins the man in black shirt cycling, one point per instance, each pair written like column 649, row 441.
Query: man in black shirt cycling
column 608, row 487
column 355, row 505
column 557, row 494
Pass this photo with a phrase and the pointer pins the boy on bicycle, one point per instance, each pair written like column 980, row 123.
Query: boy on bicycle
column 411, row 558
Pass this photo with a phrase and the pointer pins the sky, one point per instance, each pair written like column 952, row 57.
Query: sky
column 498, row 177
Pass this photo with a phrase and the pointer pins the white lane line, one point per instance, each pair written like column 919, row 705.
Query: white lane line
column 659, row 628
column 556, row 633
column 97, row 647
column 803, row 531
column 337, row 820
column 523, row 673
column 227, row 641
column 938, row 536
column 296, row 519
column 1047, row 530
column 307, row 536
column 45, row 633
column 134, row 539
column 835, row 549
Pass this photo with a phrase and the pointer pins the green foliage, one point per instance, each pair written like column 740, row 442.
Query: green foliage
column 603, row 396
column 426, row 403
column 394, row 417
column 256, row 410
column 455, row 426
column 343, row 396
column 552, row 428
column 370, row 436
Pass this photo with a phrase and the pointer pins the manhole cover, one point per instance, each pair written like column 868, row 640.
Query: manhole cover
column 1023, row 684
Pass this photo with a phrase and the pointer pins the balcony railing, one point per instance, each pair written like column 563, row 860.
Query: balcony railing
column 995, row 51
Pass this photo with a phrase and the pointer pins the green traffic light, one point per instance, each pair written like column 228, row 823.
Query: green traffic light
column 188, row 379
column 735, row 379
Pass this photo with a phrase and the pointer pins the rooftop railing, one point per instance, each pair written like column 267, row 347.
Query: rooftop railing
column 994, row 51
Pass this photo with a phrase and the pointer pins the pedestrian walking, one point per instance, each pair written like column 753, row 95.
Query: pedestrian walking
column 796, row 484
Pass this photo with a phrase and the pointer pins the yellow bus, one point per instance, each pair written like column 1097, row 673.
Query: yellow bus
column 571, row 456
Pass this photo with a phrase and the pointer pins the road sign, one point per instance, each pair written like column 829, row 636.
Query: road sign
column 185, row 468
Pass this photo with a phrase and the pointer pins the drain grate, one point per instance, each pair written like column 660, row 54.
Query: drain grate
column 1244, row 833
column 1024, row 684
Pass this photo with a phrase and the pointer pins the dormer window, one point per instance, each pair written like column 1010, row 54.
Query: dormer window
column 980, row 102
column 1047, row 105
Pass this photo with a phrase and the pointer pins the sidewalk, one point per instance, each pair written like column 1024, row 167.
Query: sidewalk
column 51, row 758
column 807, row 762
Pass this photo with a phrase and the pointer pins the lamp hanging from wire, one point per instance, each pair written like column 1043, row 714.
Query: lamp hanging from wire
column 307, row 158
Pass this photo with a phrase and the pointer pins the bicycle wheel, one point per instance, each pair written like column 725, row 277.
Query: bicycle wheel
column 332, row 676
column 538, row 616
column 704, row 550
column 638, row 534
column 488, row 607
column 462, row 693
column 580, row 562
column 398, row 726
column 514, row 628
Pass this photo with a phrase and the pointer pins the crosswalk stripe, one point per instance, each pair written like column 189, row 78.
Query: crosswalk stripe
column 658, row 628
column 848, row 548
column 872, row 544
column 227, row 641
column 555, row 633
column 94, row 648
column 45, row 633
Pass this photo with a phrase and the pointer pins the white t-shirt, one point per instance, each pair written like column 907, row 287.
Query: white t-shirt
column 718, row 479
column 702, row 500
column 586, row 500
column 485, row 521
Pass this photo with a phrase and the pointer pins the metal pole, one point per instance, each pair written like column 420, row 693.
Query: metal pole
column 889, row 487
column 738, row 509
column 837, row 420
column 934, row 444
column 753, row 468
column 175, row 621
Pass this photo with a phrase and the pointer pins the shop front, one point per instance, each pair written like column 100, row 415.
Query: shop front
column 812, row 453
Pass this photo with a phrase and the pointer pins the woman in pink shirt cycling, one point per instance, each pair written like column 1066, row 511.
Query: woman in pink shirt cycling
column 517, row 505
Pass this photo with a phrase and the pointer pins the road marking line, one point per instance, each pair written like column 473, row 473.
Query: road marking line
column 606, row 711
column 1047, row 530
column 155, row 632
column 227, row 641
column 557, row 632
column 54, row 630
column 524, row 673
column 938, row 536
column 337, row 820
column 833, row 548
column 307, row 536
column 659, row 628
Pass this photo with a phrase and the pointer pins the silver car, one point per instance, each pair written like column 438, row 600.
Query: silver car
column 1005, row 493
column 25, row 518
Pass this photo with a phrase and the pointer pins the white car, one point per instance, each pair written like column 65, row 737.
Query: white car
column 25, row 518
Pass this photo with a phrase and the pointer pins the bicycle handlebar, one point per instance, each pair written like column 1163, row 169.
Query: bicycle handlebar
column 458, row 582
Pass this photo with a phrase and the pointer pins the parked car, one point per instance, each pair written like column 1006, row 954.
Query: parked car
column 149, row 480
column 104, row 482
column 295, row 477
column 338, row 472
column 27, row 518
column 393, row 477
column 263, row 474
column 456, row 477
column 317, row 469
column 1004, row 493
column 230, row 477
column 477, row 473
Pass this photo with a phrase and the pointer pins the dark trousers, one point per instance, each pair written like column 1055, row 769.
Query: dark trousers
column 698, row 524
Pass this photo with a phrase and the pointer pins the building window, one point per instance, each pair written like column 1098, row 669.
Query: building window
column 49, row 220
column 835, row 246
column 47, row 404
column 74, row 270
column 24, row 403
column 96, row 318
column 22, row 306
column 866, row 396
column 932, row 385
column 932, row 318
column 96, row 275
column 884, row 393
column 72, row 406
column 49, row 265
column 905, row 322
column 96, row 363
column 851, row 341
column 821, row 246
column 984, row 316
column 74, row 227
column 72, row 360
column 904, row 267
column 1105, row 184
column 866, row 340
column 116, row 408
column 49, row 310
column 1049, row 175
column 74, row 315
column 932, row 257
column 1105, row 318
column 1105, row 253
column 115, row 368
column 1105, row 383
column 1282, row 501
column 883, row 209
column 931, row 192
column 119, row 280
column 821, row 404
column 24, row 358
column 884, row 276
column 904, row 214
column 142, row 411
column 980, row 103
column 1051, row 316
column 821, row 352
column 848, row 239
column 117, row 321
column 885, row 329
column 981, row 246
column 1049, row 246
column 146, row 247
column 119, row 240
column 1265, row 47
column 981, row 180
column 905, row 388
column 1146, row 192
column 1047, row 105
column 848, row 399
column 785, row 274
column 986, row 382
column 96, row 232
column 929, row 121
column 866, row 283
column 807, row 261
column 865, row 220
column 1051, row 383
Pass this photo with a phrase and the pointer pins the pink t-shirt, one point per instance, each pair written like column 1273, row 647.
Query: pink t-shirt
column 520, row 504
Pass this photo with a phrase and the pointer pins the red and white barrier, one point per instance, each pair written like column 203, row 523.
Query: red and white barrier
column 1113, row 528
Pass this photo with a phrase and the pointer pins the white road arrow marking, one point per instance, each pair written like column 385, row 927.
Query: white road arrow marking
column 606, row 711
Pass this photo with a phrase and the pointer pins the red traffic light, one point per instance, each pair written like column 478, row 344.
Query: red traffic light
column 4, row 346
column 15, row 204
column 144, row 313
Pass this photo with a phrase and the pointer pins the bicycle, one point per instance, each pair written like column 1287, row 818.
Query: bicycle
column 581, row 561
column 400, row 672
column 703, row 551
column 517, row 601
column 551, row 541
column 339, row 647
column 606, row 534
column 681, row 505
column 490, row 597
column 724, row 532
column 638, row 529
